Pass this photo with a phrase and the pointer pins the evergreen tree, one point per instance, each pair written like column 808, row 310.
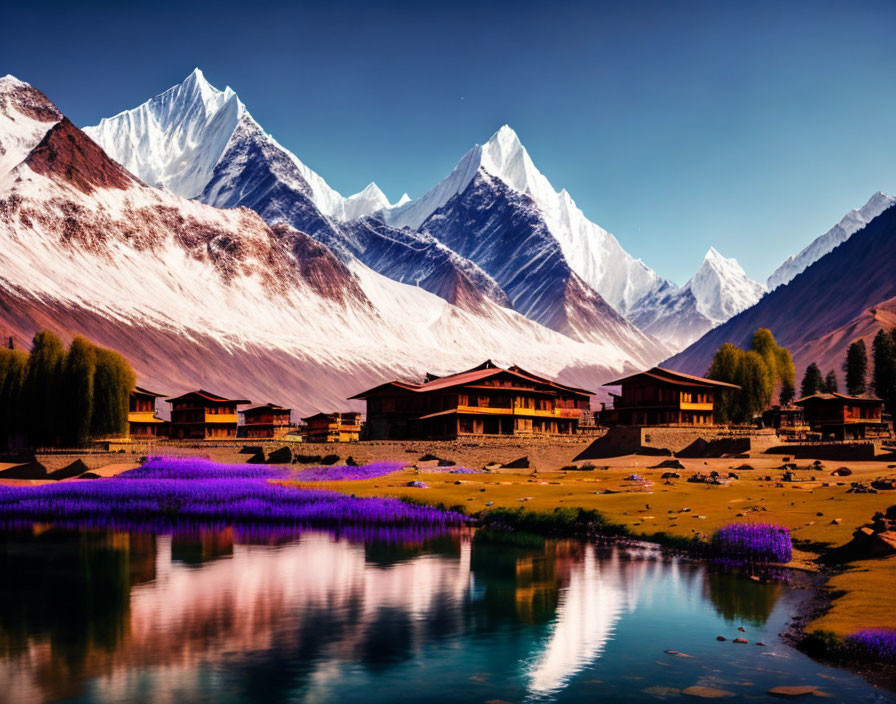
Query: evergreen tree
column 80, row 370
column 788, row 393
column 813, row 382
column 883, row 351
column 754, row 380
column 856, row 368
column 42, row 389
column 113, row 382
column 13, row 369
column 830, row 382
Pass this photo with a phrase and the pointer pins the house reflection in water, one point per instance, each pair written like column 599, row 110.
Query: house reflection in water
column 124, row 615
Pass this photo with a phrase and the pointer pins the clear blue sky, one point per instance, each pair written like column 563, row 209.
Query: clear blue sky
column 749, row 126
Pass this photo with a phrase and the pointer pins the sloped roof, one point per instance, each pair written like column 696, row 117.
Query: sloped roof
column 836, row 396
column 668, row 376
column 266, row 407
column 146, row 392
column 208, row 396
column 485, row 370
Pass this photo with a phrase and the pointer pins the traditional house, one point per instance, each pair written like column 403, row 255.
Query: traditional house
column 333, row 427
column 843, row 417
column 485, row 400
column 143, row 423
column 201, row 415
column 786, row 420
column 267, row 421
column 663, row 397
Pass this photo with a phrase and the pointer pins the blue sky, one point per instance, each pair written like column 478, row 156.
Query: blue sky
column 752, row 127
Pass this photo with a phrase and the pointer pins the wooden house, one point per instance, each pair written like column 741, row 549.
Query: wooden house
column 333, row 427
column 485, row 400
column 664, row 397
column 201, row 415
column 841, row 417
column 143, row 423
column 787, row 420
column 267, row 421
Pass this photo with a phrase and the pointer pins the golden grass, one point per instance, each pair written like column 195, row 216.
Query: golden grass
column 870, row 588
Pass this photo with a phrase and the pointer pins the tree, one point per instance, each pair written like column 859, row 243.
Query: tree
column 788, row 392
column 753, row 377
column 812, row 381
column 830, row 382
column 724, row 367
column 80, row 370
column 13, row 369
column 856, row 368
column 113, row 382
column 42, row 388
column 883, row 352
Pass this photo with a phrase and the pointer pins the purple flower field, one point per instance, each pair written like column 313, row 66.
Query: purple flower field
column 873, row 645
column 753, row 542
column 338, row 473
column 167, row 493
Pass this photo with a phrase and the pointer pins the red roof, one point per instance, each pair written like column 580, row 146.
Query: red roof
column 266, row 407
column 208, row 396
column 667, row 376
column 484, row 371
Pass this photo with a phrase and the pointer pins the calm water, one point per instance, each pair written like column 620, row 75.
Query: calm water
column 103, row 617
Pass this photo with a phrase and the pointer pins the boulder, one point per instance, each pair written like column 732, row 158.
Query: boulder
column 791, row 692
column 251, row 449
column 75, row 469
column 668, row 464
column 29, row 470
column 841, row 472
column 281, row 456
column 670, row 475
column 520, row 463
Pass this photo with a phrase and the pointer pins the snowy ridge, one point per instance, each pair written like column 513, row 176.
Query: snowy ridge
column 176, row 139
column 593, row 253
column 851, row 223
column 719, row 290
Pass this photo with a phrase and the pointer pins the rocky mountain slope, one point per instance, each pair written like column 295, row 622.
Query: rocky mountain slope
column 198, row 296
column 845, row 294
column 852, row 222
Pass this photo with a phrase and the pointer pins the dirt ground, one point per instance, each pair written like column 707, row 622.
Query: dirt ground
column 816, row 507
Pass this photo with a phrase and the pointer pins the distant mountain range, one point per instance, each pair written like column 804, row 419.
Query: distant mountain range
column 211, row 255
column 200, row 296
column 580, row 267
column 846, row 294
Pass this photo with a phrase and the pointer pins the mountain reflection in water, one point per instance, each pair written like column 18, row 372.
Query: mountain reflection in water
column 109, row 617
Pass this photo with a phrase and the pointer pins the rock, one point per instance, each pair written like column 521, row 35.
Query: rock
column 520, row 463
column 790, row 692
column 742, row 629
column 670, row 475
column 720, row 638
column 884, row 484
column 759, row 642
column 732, row 475
column 75, row 469
column 28, row 470
column 489, row 503
column 836, row 522
column 417, row 485
column 677, row 654
column 706, row 692
column 841, row 472
column 740, row 640
column 668, row 464
column 281, row 456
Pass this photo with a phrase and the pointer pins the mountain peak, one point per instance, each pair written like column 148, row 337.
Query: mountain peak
column 722, row 288
column 9, row 82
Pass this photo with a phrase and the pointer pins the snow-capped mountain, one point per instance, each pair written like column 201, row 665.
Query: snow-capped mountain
column 852, row 222
column 252, row 170
column 198, row 296
column 847, row 294
column 241, row 165
column 718, row 290
column 590, row 251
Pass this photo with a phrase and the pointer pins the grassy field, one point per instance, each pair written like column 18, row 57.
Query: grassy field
column 819, row 516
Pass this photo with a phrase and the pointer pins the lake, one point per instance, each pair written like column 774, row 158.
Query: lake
column 95, row 616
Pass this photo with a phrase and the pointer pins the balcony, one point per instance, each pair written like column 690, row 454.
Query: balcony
column 696, row 406
column 524, row 412
column 220, row 418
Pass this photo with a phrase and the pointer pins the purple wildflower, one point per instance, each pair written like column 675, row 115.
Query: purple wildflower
column 753, row 542
column 634, row 478
column 348, row 472
column 873, row 645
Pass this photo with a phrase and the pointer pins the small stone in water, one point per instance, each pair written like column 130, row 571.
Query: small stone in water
column 721, row 638
column 740, row 640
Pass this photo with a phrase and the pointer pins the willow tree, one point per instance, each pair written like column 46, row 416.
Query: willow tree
column 13, row 370
column 43, row 388
column 777, row 359
column 724, row 367
column 80, row 373
column 113, row 382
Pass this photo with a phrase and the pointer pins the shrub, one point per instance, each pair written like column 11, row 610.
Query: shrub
column 753, row 542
